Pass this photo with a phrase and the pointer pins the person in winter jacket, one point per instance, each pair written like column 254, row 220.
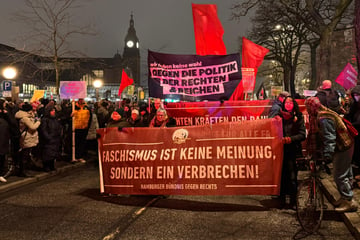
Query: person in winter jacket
column 50, row 138
column 5, row 138
column 294, row 133
column 354, row 117
column 329, row 97
column 116, row 120
column 103, row 114
column 324, row 124
column 144, row 115
column 91, row 136
column 82, row 122
column 29, row 138
column 277, row 105
column 134, row 120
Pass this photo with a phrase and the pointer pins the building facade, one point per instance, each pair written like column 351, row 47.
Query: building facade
column 38, row 72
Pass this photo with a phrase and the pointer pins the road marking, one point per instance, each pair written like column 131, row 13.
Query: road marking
column 115, row 234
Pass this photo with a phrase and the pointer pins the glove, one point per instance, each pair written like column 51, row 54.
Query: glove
column 286, row 140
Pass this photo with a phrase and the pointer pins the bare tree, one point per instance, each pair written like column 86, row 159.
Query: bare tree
column 282, row 35
column 51, row 26
column 357, row 35
column 321, row 17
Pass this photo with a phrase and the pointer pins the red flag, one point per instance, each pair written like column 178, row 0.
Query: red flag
column 348, row 77
column 125, row 81
column 208, row 30
column 252, row 57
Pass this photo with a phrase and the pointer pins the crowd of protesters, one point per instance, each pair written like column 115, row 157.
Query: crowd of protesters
column 36, row 135
column 41, row 131
column 326, row 135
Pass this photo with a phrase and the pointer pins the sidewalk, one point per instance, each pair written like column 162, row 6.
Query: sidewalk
column 352, row 220
column 14, row 182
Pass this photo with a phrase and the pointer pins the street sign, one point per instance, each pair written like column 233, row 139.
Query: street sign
column 7, row 85
column 6, row 94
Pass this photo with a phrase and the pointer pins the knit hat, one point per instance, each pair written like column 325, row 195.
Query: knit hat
column 135, row 111
column 313, row 106
column 326, row 84
column 26, row 107
column 115, row 116
column 284, row 94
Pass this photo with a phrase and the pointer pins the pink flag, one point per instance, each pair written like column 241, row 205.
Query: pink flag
column 125, row 81
column 348, row 77
column 208, row 30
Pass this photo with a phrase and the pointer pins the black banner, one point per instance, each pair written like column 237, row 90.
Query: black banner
column 193, row 77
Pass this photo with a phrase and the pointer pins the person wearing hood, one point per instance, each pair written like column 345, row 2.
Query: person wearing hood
column 354, row 117
column 29, row 137
column 116, row 120
column 50, row 138
column 144, row 115
column 323, row 144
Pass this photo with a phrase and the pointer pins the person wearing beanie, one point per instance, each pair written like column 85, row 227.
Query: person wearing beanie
column 29, row 138
column 134, row 119
column 329, row 97
column 277, row 105
column 116, row 120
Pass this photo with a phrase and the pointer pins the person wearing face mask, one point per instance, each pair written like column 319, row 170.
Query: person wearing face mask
column 293, row 134
column 354, row 117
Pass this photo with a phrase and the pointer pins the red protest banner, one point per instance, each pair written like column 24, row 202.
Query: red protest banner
column 205, row 113
column 222, row 159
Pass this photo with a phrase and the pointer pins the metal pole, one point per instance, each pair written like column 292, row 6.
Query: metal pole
column 73, row 131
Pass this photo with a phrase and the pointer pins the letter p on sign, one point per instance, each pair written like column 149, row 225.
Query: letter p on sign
column 7, row 85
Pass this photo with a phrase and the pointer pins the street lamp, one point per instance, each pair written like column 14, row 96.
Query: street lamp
column 97, row 84
column 9, row 73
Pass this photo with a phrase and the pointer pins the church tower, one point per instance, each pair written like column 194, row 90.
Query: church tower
column 131, row 55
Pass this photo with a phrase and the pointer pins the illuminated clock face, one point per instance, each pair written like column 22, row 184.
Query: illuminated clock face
column 130, row 44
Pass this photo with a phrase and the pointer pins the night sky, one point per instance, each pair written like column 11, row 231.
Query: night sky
column 161, row 25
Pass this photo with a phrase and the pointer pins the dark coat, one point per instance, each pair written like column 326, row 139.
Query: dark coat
column 50, row 137
column 5, row 135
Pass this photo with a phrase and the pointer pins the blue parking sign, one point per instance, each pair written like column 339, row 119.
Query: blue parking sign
column 7, row 85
